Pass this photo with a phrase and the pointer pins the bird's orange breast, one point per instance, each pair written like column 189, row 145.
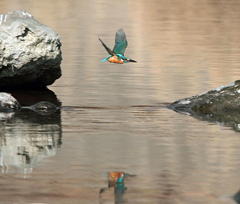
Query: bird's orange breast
column 115, row 59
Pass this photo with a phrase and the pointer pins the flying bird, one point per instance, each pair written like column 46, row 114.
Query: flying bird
column 117, row 54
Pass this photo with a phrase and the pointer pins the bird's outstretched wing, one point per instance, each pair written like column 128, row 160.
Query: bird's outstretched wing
column 110, row 52
column 120, row 42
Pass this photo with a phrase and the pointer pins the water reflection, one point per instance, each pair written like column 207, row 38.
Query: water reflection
column 185, row 47
column 236, row 197
column 116, row 182
column 4, row 116
column 27, row 137
column 229, row 119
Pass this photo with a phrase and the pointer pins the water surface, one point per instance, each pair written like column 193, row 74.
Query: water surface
column 114, row 117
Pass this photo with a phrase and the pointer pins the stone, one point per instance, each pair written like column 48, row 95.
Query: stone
column 8, row 103
column 30, row 54
column 42, row 108
column 221, row 105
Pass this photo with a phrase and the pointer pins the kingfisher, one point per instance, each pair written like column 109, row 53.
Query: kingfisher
column 117, row 54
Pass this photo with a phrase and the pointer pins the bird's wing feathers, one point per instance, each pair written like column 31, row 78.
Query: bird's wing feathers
column 110, row 52
column 120, row 42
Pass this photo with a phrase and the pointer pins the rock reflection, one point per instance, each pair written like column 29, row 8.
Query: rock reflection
column 27, row 137
column 229, row 119
column 6, row 116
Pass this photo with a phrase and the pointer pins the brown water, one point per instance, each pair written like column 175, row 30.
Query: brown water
column 113, row 116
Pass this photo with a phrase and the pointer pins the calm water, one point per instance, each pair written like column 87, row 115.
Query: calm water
column 113, row 117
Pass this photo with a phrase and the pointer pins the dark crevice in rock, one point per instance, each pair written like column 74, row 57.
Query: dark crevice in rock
column 25, row 33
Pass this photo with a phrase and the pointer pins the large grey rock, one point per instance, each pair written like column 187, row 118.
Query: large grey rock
column 30, row 52
column 220, row 105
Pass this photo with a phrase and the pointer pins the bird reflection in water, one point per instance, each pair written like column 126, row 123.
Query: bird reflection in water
column 116, row 187
column 116, row 181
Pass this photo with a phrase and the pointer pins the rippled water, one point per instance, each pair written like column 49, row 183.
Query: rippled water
column 114, row 117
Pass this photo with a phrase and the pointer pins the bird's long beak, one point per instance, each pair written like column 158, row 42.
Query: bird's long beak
column 131, row 60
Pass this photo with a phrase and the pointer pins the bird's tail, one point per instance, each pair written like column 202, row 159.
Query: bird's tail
column 110, row 52
column 105, row 59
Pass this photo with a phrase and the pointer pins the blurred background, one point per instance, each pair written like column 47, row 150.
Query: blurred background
column 114, row 117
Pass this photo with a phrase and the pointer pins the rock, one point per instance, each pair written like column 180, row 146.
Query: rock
column 8, row 103
column 218, row 105
column 236, row 197
column 30, row 54
column 42, row 108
